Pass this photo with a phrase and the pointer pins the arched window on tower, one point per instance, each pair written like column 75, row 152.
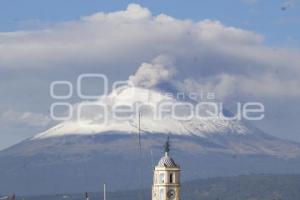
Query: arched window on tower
column 171, row 178
column 162, row 178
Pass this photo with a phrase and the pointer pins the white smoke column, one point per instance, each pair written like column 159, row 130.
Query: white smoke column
column 150, row 74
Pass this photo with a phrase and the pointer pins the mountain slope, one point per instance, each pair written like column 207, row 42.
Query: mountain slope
column 234, row 136
column 80, row 155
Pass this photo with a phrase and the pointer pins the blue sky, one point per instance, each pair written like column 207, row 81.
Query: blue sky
column 257, row 44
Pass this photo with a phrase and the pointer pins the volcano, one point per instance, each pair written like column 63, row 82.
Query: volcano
column 80, row 155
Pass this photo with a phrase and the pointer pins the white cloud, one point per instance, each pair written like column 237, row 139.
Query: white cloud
column 263, row 86
column 203, row 51
column 133, row 12
column 105, row 41
column 222, row 85
column 205, row 55
column 24, row 118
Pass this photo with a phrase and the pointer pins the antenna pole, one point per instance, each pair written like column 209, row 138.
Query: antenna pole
column 140, row 148
column 151, row 153
column 104, row 192
column 140, row 145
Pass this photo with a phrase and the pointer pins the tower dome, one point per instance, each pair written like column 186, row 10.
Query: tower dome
column 166, row 161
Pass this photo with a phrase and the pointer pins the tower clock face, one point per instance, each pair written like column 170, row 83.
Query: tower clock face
column 171, row 194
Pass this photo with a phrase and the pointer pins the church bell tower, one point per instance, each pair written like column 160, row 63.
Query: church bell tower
column 166, row 178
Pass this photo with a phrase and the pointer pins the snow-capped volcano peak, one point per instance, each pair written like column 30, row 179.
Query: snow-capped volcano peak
column 119, row 112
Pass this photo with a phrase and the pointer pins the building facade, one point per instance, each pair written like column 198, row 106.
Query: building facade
column 166, row 178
